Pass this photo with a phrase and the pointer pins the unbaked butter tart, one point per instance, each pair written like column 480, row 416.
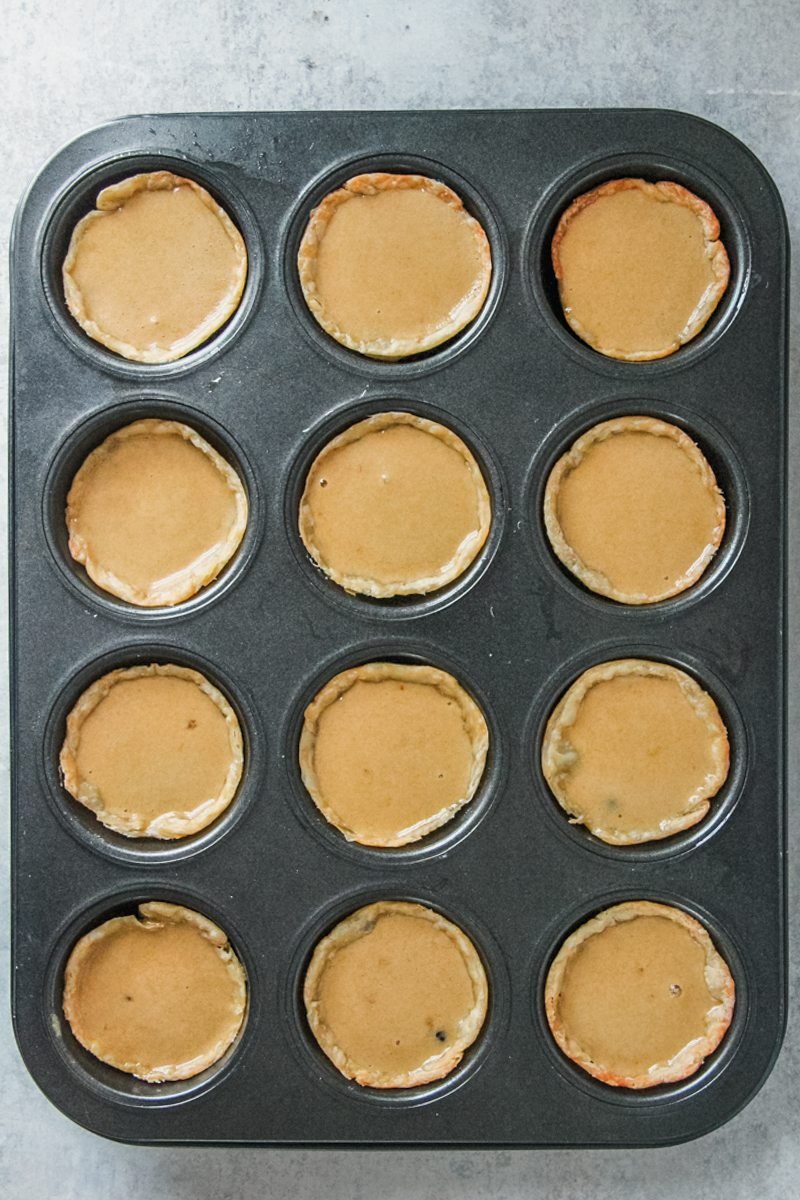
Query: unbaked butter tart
column 635, row 750
column 153, row 751
column 155, row 268
column 391, row 751
column 633, row 510
column 393, row 265
column 640, row 267
column 160, row 995
column 639, row 995
column 395, row 505
column 154, row 513
column 395, row 994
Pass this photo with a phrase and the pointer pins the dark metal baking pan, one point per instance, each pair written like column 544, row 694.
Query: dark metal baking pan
column 518, row 387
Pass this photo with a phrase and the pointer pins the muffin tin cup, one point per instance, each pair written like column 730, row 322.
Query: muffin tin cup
column 653, row 166
column 73, row 451
column 268, row 391
column 722, row 804
column 146, row 851
column 316, row 1062
column 106, row 1082
column 439, row 841
column 414, row 604
column 720, row 1060
column 724, row 460
column 476, row 204
column 78, row 198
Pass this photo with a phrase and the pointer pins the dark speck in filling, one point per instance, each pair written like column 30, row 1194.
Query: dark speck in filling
column 441, row 1035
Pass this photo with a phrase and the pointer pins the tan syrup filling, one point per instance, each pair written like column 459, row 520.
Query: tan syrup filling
column 396, row 996
column 635, row 995
column 634, row 272
column 391, row 758
column 641, row 753
column 397, row 266
column 155, row 269
column 155, row 749
column 153, row 515
column 154, row 997
column 637, row 511
column 398, row 509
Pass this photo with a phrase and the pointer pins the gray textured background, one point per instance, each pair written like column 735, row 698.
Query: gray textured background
column 67, row 66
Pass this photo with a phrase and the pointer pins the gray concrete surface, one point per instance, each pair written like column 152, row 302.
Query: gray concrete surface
column 67, row 66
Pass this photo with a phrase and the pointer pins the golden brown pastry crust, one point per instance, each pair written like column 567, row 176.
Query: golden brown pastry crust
column 368, row 185
column 350, row 930
column 558, row 754
column 468, row 552
column 595, row 580
column 180, row 586
column 666, row 192
column 114, row 197
column 154, row 915
column 471, row 715
column 718, row 980
column 172, row 824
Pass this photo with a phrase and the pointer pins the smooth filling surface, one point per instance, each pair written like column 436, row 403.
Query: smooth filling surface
column 395, row 506
column 151, row 508
column 634, row 270
column 396, row 996
column 390, row 755
column 396, row 264
column 636, row 510
column 641, row 753
column 157, row 268
column 154, row 745
column 635, row 995
column 155, row 996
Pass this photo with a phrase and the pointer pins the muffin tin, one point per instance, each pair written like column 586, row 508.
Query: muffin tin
column 267, row 391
